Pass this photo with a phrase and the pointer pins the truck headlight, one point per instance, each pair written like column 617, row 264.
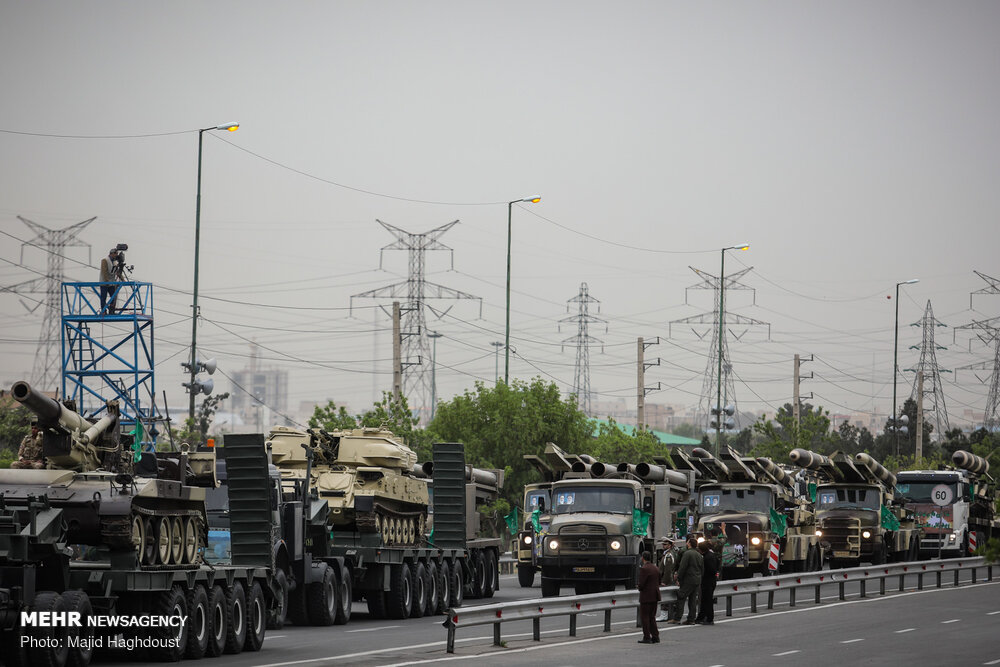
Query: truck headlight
column 866, row 534
column 953, row 537
column 755, row 541
column 553, row 544
column 616, row 545
column 527, row 539
column 819, row 533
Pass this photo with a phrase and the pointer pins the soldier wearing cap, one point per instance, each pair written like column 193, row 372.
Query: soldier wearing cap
column 668, row 565
column 29, row 455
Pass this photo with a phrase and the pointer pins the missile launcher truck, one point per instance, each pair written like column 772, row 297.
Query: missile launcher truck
column 366, row 506
column 956, row 507
column 599, row 526
column 859, row 517
column 758, row 505
column 102, row 532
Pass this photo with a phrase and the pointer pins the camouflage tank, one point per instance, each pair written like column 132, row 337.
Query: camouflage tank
column 369, row 481
column 135, row 512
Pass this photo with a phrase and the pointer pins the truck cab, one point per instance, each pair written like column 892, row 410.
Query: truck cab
column 528, row 547
column 745, row 510
column 848, row 523
column 939, row 500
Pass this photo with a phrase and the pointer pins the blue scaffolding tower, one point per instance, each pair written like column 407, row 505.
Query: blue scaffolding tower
column 117, row 363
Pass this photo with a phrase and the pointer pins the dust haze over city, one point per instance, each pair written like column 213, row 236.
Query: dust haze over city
column 853, row 147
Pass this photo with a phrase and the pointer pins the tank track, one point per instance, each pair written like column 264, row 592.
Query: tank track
column 116, row 532
column 374, row 522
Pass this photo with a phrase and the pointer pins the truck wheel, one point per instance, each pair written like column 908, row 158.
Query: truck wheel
column 399, row 599
column 256, row 618
column 79, row 602
column 457, row 585
column 218, row 622
column 236, row 628
column 54, row 655
column 281, row 612
column 197, row 602
column 419, row 591
column 345, row 596
column 526, row 576
column 550, row 588
column 478, row 564
column 321, row 599
column 490, row 578
column 444, row 587
column 169, row 603
column 433, row 588
column 376, row 604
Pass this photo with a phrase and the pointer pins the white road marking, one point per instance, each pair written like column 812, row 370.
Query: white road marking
column 992, row 613
column 274, row 636
column 778, row 655
column 851, row 641
column 992, row 662
column 954, row 620
column 381, row 627
column 899, row 632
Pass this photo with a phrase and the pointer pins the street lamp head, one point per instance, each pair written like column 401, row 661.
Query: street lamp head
column 911, row 281
column 527, row 200
column 231, row 127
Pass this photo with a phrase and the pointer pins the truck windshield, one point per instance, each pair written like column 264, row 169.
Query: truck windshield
column 740, row 500
column 593, row 499
column 924, row 492
column 532, row 502
column 862, row 498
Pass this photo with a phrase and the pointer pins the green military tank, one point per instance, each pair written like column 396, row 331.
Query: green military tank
column 147, row 511
column 369, row 480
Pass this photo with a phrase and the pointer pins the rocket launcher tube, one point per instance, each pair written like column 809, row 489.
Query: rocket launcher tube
column 477, row 475
column 813, row 461
column 580, row 466
column 598, row 469
column 49, row 411
column 774, row 471
column 969, row 461
column 876, row 469
column 655, row 473
column 721, row 471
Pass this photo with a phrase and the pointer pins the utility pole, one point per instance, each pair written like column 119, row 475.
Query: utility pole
column 640, row 397
column 920, row 414
column 796, row 395
column 397, row 355
column 496, row 358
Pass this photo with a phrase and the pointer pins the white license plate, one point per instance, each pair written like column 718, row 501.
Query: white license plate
column 583, row 570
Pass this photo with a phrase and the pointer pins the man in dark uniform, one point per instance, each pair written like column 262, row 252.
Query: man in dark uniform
column 649, row 595
column 706, row 612
column 689, row 572
column 668, row 564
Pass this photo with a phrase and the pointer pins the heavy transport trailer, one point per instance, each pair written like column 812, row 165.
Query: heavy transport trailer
column 226, row 606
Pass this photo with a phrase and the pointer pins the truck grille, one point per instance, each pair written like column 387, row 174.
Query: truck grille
column 843, row 534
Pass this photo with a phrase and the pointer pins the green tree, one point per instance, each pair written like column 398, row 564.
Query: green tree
column 330, row 417
column 780, row 436
column 195, row 433
column 500, row 424
column 613, row 445
column 15, row 423
column 387, row 413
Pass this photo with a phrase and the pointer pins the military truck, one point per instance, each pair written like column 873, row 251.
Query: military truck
column 102, row 532
column 599, row 527
column 365, row 522
column 859, row 517
column 956, row 508
column 757, row 505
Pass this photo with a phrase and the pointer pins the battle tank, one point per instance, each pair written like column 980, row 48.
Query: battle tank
column 134, row 510
column 369, row 480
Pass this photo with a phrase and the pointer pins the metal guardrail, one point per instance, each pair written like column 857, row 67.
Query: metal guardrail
column 574, row 605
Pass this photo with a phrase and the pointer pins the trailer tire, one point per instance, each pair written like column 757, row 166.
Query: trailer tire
column 218, row 622
column 236, row 627
column 526, row 576
column 197, row 623
column 419, row 591
column 457, row 593
column 478, row 581
column 399, row 599
column 444, row 588
column 169, row 603
column 490, row 582
column 345, row 596
column 256, row 617
column 54, row 655
column 78, row 601
column 321, row 599
column 433, row 589
column 281, row 612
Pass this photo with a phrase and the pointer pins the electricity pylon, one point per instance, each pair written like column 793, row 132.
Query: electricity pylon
column 928, row 365
column 583, row 340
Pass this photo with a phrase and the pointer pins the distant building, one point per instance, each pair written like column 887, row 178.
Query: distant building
column 259, row 397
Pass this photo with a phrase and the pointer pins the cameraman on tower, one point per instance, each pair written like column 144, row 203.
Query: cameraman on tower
column 108, row 278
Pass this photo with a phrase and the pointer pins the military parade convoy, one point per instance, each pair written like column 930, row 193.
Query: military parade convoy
column 214, row 547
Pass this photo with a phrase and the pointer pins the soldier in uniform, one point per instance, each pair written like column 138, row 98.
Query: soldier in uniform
column 29, row 455
column 668, row 565
column 689, row 572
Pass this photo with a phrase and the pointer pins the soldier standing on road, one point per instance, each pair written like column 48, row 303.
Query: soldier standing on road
column 689, row 572
column 706, row 612
column 649, row 595
column 668, row 566
column 29, row 455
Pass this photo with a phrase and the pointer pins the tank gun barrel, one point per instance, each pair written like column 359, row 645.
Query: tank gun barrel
column 50, row 412
column 774, row 471
column 969, row 461
column 876, row 469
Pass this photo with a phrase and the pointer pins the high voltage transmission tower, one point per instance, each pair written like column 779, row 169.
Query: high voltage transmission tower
column 583, row 340
column 711, row 382
column 930, row 373
column 987, row 331
column 47, row 371
column 415, row 290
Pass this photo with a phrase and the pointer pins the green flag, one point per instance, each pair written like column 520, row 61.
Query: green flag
column 640, row 521
column 136, row 434
column 812, row 491
column 779, row 523
column 513, row 524
column 534, row 521
column 889, row 520
column 681, row 524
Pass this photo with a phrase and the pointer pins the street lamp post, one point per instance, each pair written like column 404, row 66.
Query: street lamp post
column 895, row 365
column 722, row 331
column 230, row 127
column 506, row 338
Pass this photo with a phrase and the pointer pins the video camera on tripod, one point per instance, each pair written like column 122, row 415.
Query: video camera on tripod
column 120, row 270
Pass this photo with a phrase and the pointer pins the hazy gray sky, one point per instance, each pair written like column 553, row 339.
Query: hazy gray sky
column 853, row 144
